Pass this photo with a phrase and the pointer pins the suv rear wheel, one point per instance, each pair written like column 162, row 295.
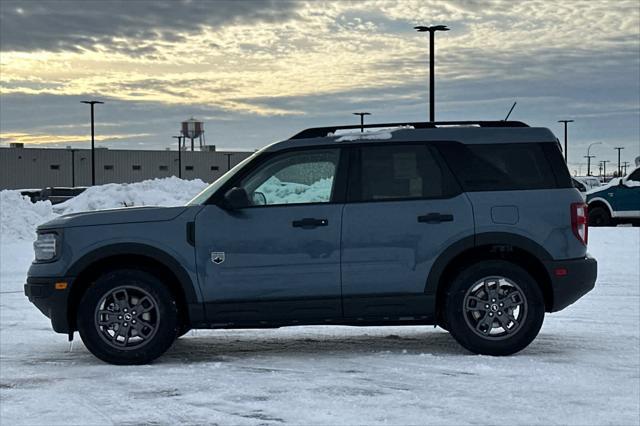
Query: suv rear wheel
column 494, row 308
column 128, row 317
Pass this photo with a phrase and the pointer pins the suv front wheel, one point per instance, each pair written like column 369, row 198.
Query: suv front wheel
column 128, row 316
column 494, row 308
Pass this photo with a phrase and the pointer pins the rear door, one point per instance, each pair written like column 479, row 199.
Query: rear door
column 404, row 209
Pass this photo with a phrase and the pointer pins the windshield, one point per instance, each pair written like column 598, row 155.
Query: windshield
column 211, row 189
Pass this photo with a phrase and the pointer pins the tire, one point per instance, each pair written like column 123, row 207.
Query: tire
column 599, row 216
column 497, row 284
column 111, row 328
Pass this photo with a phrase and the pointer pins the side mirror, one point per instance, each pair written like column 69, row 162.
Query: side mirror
column 259, row 199
column 236, row 198
column 621, row 182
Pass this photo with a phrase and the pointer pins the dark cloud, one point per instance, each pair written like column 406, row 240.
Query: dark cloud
column 73, row 25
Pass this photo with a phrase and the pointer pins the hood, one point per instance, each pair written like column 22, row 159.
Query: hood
column 114, row 216
column 612, row 182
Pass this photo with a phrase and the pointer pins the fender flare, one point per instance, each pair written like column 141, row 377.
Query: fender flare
column 118, row 249
column 482, row 239
column 603, row 201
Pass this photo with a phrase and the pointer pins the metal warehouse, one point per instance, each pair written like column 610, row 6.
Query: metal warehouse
column 26, row 168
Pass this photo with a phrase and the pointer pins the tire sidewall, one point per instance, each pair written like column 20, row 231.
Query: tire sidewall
column 599, row 213
column 454, row 308
column 167, row 311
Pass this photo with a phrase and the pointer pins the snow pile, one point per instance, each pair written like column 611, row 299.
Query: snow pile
column 384, row 133
column 19, row 217
column 169, row 192
column 279, row 192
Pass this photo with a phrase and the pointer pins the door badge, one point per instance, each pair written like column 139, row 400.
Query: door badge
column 217, row 257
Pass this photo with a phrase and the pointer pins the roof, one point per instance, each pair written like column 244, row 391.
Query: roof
column 463, row 132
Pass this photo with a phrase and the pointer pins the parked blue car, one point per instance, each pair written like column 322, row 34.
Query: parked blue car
column 616, row 203
column 473, row 226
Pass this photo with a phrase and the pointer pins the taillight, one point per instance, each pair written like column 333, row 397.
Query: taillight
column 579, row 222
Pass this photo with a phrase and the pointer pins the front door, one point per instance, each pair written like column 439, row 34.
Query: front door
column 404, row 209
column 277, row 260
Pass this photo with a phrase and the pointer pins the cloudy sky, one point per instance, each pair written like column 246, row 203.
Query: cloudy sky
column 259, row 71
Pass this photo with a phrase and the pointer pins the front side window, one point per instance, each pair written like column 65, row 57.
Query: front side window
column 389, row 172
column 635, row 176
column 293, row 178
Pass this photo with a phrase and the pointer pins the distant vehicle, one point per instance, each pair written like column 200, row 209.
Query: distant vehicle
column 473, row 226
column 59, row 194
column 590, row 182
column 618, row 202
column 580, row 187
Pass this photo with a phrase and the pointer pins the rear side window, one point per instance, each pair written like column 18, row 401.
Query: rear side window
column 395, row 172
column 501, row 167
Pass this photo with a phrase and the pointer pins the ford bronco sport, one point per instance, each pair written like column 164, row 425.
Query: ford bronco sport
column 473, row 226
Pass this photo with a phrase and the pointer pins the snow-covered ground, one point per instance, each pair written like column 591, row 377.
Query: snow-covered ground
column 583, row 369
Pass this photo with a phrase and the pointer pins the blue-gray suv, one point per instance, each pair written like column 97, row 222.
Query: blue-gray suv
column 473, row 226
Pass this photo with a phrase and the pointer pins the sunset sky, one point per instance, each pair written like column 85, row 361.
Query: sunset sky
column 260, row 71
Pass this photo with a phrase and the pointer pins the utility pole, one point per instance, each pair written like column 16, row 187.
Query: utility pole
column 589, row 157
column 432, row 98
column 624, row 165
column 566, row 152
column 179, row 155
column 361, row 114
column 93, row 153
column 604, row 168
column 619, row 148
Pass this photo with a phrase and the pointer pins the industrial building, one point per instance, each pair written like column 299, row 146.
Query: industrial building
column 37, row 168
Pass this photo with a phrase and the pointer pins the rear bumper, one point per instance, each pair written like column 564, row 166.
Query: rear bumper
column 51, row 302
column 571, row 279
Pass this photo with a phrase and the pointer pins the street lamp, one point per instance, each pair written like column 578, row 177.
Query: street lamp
column 361, row 114
column 93, row 154
column 566, row 153
column 179, row 155
column 432, row 30
column 589, row 157
column 619, row 148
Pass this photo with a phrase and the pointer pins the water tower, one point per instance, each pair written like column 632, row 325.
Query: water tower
column 193, row 129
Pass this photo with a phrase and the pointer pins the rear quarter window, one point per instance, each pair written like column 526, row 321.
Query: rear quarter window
column 504, row 167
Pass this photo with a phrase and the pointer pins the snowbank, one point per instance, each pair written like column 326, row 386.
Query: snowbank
column 279, row 192
column 156, row 192
column 20, row 217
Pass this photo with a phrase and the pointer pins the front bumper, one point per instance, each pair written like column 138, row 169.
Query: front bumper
column 571, row 279
column 53, row 303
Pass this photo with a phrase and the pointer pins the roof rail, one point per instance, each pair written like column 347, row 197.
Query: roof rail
column 318, row 132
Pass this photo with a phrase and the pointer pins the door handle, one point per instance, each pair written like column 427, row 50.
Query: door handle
column 435, row 218
column 309, row 223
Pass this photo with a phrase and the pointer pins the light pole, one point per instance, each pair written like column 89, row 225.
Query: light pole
column 619, row 148
column 93, row 151
column 361, row 114
column 179, row 155
column 432, row 30
column 589, row 157
column 566, row 152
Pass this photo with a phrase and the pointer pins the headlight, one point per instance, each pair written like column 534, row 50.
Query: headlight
column 45, row 247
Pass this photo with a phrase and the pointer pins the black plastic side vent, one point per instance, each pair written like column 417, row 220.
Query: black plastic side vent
column 191, row 233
